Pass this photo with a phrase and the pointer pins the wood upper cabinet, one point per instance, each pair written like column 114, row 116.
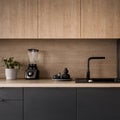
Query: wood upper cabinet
column 100, row 18
column 18, row 18
column 59, row 18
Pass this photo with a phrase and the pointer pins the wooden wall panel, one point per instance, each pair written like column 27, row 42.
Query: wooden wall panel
column 55, row 55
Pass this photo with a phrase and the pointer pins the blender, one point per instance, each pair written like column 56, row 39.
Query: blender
column 32, row 71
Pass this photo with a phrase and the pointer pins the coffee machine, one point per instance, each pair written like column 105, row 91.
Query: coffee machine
column 32, row 71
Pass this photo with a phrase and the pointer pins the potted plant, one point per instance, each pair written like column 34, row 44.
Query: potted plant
column 11, row 68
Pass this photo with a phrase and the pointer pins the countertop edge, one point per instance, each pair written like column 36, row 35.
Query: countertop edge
column 53, row 83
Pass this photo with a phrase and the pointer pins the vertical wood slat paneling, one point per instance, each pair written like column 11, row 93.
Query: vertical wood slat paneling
column 55, row 55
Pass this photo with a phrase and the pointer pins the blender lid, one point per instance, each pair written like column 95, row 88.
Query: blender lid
column 32, row 49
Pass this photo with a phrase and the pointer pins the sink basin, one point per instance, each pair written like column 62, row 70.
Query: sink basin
column 97, row 80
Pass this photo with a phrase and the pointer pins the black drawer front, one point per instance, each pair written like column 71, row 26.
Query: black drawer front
column 11, row 93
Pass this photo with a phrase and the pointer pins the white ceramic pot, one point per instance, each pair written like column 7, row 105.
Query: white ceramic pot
column 11, row 74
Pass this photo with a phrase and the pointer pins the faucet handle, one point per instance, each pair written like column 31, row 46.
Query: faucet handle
column 88, row 66
column 96, row 58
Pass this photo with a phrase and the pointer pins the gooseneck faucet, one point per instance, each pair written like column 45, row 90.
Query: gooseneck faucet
column 88, row 66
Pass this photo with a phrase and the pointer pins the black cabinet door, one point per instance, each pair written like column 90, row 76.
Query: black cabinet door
column 50, row 104
column 98, row 103
column 11, row 110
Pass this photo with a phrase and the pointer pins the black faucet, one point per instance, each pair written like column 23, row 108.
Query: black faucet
column 88, row 66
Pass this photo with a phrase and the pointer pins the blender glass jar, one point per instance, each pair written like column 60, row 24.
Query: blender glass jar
column 33, row 55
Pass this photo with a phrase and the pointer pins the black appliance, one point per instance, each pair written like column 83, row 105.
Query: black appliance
column 32, row 71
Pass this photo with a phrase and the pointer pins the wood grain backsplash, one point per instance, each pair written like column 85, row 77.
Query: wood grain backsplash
column 55, row 55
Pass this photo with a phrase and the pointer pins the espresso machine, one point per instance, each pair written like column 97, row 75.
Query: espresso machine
column 32, row 71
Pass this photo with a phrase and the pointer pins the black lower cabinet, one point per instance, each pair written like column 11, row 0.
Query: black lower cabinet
column 50, row 104
column 11, row 110
column 11, row 104
column 98, row 103
column 60, row 104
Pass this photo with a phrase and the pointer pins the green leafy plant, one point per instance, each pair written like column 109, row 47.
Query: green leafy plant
column 10, row 63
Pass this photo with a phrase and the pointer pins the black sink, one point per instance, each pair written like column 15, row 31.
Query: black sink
column 97, row 80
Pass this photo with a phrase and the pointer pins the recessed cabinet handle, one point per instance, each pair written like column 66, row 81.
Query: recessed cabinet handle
column 2, row 100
